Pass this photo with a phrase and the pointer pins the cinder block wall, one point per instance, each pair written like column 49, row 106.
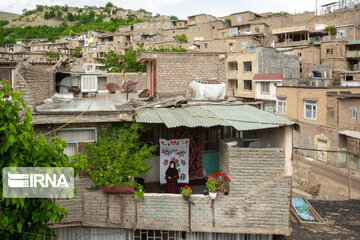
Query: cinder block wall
column 35, row 82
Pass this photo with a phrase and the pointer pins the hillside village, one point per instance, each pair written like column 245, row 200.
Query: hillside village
column 250, row 91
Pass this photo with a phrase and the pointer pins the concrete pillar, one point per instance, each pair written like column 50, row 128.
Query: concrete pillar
column 288, row 146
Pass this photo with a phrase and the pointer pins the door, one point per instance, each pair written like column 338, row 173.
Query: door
column 322, row 147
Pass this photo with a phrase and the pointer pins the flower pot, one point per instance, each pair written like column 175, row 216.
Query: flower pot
column 186, row 198
column 118, row 189
column 212, row 195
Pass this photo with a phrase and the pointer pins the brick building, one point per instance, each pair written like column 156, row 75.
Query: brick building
column 170, row 73
column 322, row 113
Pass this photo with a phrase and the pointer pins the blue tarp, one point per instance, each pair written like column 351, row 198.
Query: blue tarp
column 301, row 208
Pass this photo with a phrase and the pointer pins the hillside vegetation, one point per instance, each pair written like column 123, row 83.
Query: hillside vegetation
column 68, row 21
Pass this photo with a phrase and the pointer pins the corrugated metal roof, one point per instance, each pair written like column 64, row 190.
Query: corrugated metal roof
column 349, row 133
column 241, row 117
column 356, row 42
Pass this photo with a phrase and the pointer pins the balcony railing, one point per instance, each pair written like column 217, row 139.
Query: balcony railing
column 292, row 43
column 353, row 54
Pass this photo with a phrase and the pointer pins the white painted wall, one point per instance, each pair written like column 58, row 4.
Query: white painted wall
column 272, row 94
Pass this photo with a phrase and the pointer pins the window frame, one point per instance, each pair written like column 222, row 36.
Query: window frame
column 246, row 69
column 330, row 51
column 353, row 112
column 262, row 87
column 313, row 105
column 247, row 80
column 282, row 102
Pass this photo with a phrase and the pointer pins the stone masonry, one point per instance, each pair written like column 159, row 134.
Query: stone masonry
column 36, row 83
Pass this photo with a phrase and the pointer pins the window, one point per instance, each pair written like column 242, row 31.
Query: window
column 352, row 112
column 341, row 33
column 138, row 26
column 281, row 106
column 199, row 19
column 310, row 110
column 211, row 137
column 144, row 26
column 265, row 87
column 239, row 18
column 232, row 67
column 247, row 85
column 233, row 83
column 5, row 75
column 233, row 32
column 231, row 46
column 75, row 139
column 329, row 51
column 158, row 24
column 151, row 25
column 299, row 54
column 247, row 67
column 141, row 234
column 205, row 45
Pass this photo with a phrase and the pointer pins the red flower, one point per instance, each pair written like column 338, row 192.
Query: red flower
column 218, row 173
column 189, row 189
column 186, row 186
column 215, row 180
column 208, row 177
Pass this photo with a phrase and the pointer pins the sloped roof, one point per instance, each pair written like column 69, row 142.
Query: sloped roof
column 268, row 76
column 241, row 117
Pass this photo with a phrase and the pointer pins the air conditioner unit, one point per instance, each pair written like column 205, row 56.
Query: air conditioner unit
column 89, row 83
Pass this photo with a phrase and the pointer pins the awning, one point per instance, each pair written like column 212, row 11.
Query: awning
column 241, row 117
column 349, row 133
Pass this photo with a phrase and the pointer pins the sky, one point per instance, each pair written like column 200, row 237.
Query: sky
column 179, row 8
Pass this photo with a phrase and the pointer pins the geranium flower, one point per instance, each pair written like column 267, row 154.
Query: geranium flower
column 186, row 186
column 209, row 177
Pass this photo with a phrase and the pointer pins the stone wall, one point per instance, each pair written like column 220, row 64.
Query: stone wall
column 36, row 83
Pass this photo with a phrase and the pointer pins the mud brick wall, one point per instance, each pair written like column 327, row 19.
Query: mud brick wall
column 36, row 83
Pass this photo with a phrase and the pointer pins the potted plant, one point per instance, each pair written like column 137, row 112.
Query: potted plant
column 223, row 182
column 211, row 185
column 118, row 158
column 186, row 192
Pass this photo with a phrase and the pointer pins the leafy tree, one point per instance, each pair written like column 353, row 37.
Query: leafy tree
column 70, row 17
column 52, row 14
column 109, row 5
column 39, row 8
column 65, row 8
column 114, row 62
column 20, row 147
column 331, row 29
column 46, row 15
column 114, row 12
column 228, row 20
column 52, row 56
column 118, row 157
column 172, row 17
column 141, row 10
column 3, row 23
column 182, row 38
column 59, row 14
column 157, row 15
column 167, row 49
column 77, row 53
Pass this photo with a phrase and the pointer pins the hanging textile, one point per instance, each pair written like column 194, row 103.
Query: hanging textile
column 176, row 150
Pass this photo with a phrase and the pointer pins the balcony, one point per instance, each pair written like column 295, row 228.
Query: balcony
column 246, row 209
column 292, row 44
column 353, row 54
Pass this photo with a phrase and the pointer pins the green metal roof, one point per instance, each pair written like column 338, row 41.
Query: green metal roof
column 356, row 42
column 241, row 117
